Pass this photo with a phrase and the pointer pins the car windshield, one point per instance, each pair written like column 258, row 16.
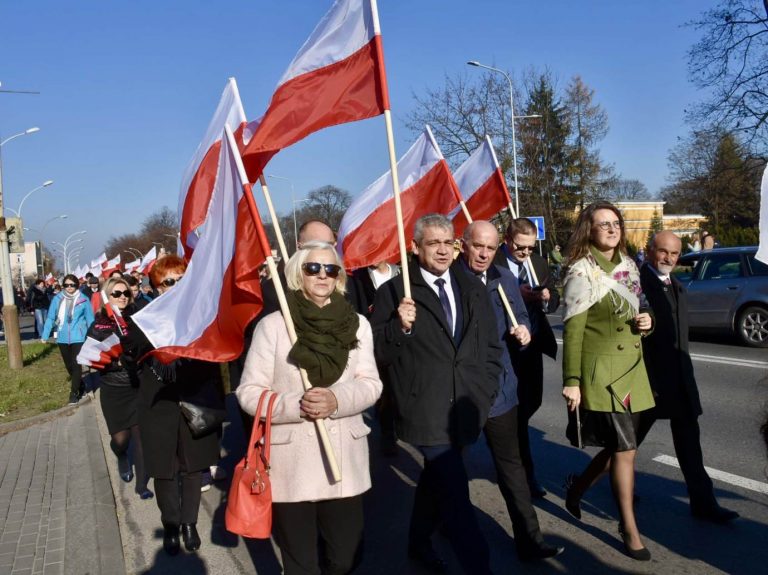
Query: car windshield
column 684, row 271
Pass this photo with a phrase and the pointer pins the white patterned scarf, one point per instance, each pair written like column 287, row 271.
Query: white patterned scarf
column 586, row 283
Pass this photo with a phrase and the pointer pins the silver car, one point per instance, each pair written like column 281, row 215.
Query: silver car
column 727, row 290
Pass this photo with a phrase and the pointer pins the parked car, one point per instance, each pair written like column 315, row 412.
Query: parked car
column 727, row 290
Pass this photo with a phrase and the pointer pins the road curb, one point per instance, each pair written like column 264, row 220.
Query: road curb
column 20, row 424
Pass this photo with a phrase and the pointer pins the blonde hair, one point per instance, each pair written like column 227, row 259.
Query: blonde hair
column 293, row 274
column 109, row 285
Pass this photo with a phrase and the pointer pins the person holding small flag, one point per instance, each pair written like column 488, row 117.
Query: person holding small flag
column 119, row 390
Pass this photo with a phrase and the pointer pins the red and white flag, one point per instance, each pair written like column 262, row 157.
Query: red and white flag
column 148, row 260
column 336, row 77
column 99, row 354
column 99, row 261
column 205, row 315
column 130, row 266
column 368, row 231
column 50, row 280
column 200, row 176
column 111, row 266
column 482, row 187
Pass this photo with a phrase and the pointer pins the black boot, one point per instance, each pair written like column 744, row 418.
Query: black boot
column 171, row 538
column 190, row 536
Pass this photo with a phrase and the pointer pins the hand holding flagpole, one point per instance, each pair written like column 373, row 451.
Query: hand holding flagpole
column 322, row 432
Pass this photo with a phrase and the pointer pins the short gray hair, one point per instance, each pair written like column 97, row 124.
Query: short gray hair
column 293, row 273
column 430, row 221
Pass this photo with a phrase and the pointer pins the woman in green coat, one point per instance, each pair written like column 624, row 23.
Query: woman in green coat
column 604, row 378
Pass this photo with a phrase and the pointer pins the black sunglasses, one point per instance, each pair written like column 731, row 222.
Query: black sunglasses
column 116, row 294
column 170, row 282
column 313, row 268
column 70, row 285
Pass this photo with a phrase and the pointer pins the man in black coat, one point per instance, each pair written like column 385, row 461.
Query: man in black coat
column 479, row 245
column 541, row 297
column 441, row 354
column 670, row 372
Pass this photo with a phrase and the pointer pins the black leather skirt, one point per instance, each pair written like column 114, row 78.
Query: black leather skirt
column 611, row 430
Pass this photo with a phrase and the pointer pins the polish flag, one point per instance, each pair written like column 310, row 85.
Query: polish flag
column 762, row 249
column 336, row 77
column 130, row 266
column 368, row 231
column 110, row 266
column 99, row 354
column 482, row 186
column 50, row 280
column 99, row 261
column 148, row 260
column 205, row 315
column 95, row 270
column 200, row 176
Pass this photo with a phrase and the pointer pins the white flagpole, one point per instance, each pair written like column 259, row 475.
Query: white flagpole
column 322, row 431
column 272, row 214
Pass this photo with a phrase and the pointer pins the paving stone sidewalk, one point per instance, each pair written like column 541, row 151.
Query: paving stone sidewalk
column 57, row 509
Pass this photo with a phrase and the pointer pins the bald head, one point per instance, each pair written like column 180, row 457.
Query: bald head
column 664, row 251
column 315, row 230
column 479, row 244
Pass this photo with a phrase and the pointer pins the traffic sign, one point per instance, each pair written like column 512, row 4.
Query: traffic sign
column 539, row 223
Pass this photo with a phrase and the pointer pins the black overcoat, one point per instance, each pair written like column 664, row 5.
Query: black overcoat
column 443, row 391
column 665, row 350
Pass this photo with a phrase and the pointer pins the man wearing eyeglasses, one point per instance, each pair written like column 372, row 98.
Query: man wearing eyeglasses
column 441, row 356
column 541, row 297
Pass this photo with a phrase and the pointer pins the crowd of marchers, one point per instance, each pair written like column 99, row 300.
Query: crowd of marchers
column 447, row 350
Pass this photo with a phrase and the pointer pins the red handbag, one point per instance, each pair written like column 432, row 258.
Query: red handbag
column 249, row 505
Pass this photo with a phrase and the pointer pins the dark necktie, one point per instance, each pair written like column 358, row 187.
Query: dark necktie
column 522, row 275
column 667, row 281
column 444, row 301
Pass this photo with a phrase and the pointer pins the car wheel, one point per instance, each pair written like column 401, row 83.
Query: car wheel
column 752, row 327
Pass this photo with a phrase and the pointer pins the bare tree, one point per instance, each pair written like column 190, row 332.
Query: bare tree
column 618, row 189
column 327, row 204
column 731, row 61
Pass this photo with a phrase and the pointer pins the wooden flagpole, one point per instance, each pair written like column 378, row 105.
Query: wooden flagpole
column 272, row 214
column 322, row 431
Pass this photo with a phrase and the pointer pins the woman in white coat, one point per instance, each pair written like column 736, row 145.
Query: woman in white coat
column 335, row 347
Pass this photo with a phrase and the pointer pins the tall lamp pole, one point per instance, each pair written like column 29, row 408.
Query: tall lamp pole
column 512, row 122
column 41, row 265
column 293, row 206
column 10, row 311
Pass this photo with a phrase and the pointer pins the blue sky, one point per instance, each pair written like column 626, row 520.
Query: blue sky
column 127, row 89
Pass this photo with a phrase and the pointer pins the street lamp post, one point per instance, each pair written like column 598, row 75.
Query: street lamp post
column 293, row 206
column 41, row 264
column 512, row 122
column 134, row 252
column 66, row 245
column 24, row 199
column 10, row 311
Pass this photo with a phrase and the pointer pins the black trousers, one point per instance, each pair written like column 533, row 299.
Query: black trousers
column 501, row 435
column 529, row 368
column 178, row 498
column 686, row 437
column 338, row 522
column 69, row 353
column 442, row 500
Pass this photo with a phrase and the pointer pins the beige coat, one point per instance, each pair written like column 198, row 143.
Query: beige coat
column 298, row 470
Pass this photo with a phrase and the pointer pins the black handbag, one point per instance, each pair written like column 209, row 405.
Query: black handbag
column 202, row 420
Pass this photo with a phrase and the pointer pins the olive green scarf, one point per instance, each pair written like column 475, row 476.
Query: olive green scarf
column 325, row 336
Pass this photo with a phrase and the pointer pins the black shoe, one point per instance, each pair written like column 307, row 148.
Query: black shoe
column 190, row 536
column 539, row 553
column 641, row 554
column 572, row 501
column 714, row 513
column 72, row 399
column 537, row 491
column 428, row 559
column 145, row 493
column 124, row 468
column 171, row 539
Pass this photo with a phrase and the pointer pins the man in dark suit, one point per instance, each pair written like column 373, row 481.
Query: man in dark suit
column 541, row 297
column 479, row 245
column 670, row 372
column 441, row 354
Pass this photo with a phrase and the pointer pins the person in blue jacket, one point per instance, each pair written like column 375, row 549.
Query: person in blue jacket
column 72, row 315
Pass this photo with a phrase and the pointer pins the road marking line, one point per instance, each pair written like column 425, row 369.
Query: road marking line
column 736, row 480
column 718, row 359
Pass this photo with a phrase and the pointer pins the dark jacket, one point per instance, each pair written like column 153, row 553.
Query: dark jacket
column 665, row 350
column 443, row 391
column 115, row 373
column 542, row 337
column 37, row 299
column 164, row 432
column 498, row 276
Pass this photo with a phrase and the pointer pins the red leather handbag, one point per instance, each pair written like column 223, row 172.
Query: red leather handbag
column 249, row 505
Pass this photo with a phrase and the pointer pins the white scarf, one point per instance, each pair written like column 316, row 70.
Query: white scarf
column 587, row 283
column 66, row 307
